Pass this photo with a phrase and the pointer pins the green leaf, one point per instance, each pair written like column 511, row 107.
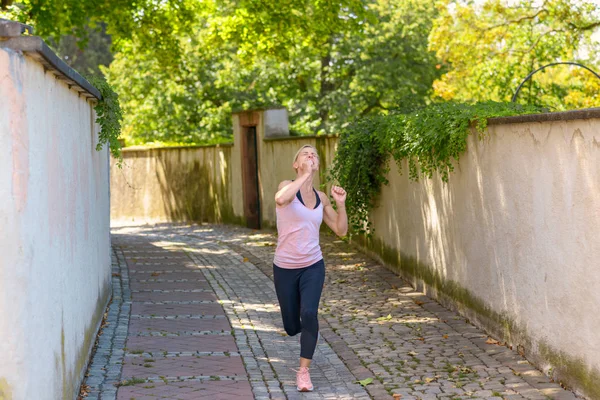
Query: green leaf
column 365, row 382
column 387, row 318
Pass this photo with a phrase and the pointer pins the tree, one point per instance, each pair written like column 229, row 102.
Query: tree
column 157, row 24
column 335, row 61
column 86, row 56
column 492, row 46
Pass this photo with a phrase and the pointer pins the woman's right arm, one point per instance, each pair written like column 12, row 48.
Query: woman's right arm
column 287, row 190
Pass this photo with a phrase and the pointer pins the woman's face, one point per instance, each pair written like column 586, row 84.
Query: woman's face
column 307, row 154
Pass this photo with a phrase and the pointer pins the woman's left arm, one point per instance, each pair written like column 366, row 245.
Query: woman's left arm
column 337, row 221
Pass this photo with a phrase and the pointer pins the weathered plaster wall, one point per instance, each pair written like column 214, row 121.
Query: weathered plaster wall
column 54, row 232
column 175, row 184
column 512, row 240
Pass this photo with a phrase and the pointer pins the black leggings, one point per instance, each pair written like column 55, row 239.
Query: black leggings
column 299, row 291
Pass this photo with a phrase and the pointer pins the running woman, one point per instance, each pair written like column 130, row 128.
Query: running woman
column 298, row 267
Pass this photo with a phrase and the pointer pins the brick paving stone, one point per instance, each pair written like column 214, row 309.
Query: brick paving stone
column 137, row 325
column 176, row 309
column 146, row 267
column 213, row 390
column 182, row 366
column 186, row 275
column 151, row 285
column 180, row 343
column 173, row 296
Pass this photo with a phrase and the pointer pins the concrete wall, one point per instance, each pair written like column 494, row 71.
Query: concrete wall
column 176, row 184
column 54, row 232
column 513, row 240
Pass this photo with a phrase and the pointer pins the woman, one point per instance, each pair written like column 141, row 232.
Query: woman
column 298, row 267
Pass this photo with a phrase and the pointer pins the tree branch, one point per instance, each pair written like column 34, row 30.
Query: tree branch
column 515, row 21
column 540, row 38
column 585, row 27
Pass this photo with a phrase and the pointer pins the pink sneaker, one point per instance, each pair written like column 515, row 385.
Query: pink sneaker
column 303, row 382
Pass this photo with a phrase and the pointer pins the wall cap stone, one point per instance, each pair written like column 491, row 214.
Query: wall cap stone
column 273, row 139
column 36, row 48
column 141, row 149
column 244, row 110
column 13, row 28
column 586, row 113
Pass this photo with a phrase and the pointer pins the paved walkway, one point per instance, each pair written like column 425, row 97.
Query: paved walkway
column 195, row 315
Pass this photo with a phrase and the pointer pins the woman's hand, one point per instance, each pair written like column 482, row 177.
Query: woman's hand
column 314, row 166
column 308, row 166
column 336, row 219
column 338, row 194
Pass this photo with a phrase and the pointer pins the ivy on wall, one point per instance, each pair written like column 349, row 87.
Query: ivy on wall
column 431, row 140
column 109, row 116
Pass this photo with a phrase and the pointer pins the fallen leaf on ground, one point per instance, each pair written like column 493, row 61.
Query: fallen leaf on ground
column 116, row 274
column 155, row 274
column 387, row 318
column 492, row 341
column 417, row 302
column 365, row 382
column 445, row 336
column 245, row 259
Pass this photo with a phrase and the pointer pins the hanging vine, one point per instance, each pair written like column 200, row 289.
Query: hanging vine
column 431, row 140
column 108, row 116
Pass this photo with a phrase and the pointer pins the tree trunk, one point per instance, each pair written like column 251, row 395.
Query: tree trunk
column 5, row 3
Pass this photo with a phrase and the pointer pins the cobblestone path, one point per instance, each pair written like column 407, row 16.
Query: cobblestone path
column 204, row 322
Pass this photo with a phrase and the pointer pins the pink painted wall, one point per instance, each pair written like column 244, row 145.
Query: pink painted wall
column 54, row 232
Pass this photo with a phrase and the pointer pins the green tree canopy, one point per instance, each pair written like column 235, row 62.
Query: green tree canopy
column 154, row 23
column 326, row 62
column 86, row 55
column 491, row 46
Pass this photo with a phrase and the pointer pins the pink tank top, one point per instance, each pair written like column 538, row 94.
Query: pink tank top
column 298, row 231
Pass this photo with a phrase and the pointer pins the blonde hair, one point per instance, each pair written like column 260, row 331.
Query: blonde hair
column 302, row 148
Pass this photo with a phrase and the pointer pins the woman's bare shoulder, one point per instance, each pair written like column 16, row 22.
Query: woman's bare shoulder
column 323, row 197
